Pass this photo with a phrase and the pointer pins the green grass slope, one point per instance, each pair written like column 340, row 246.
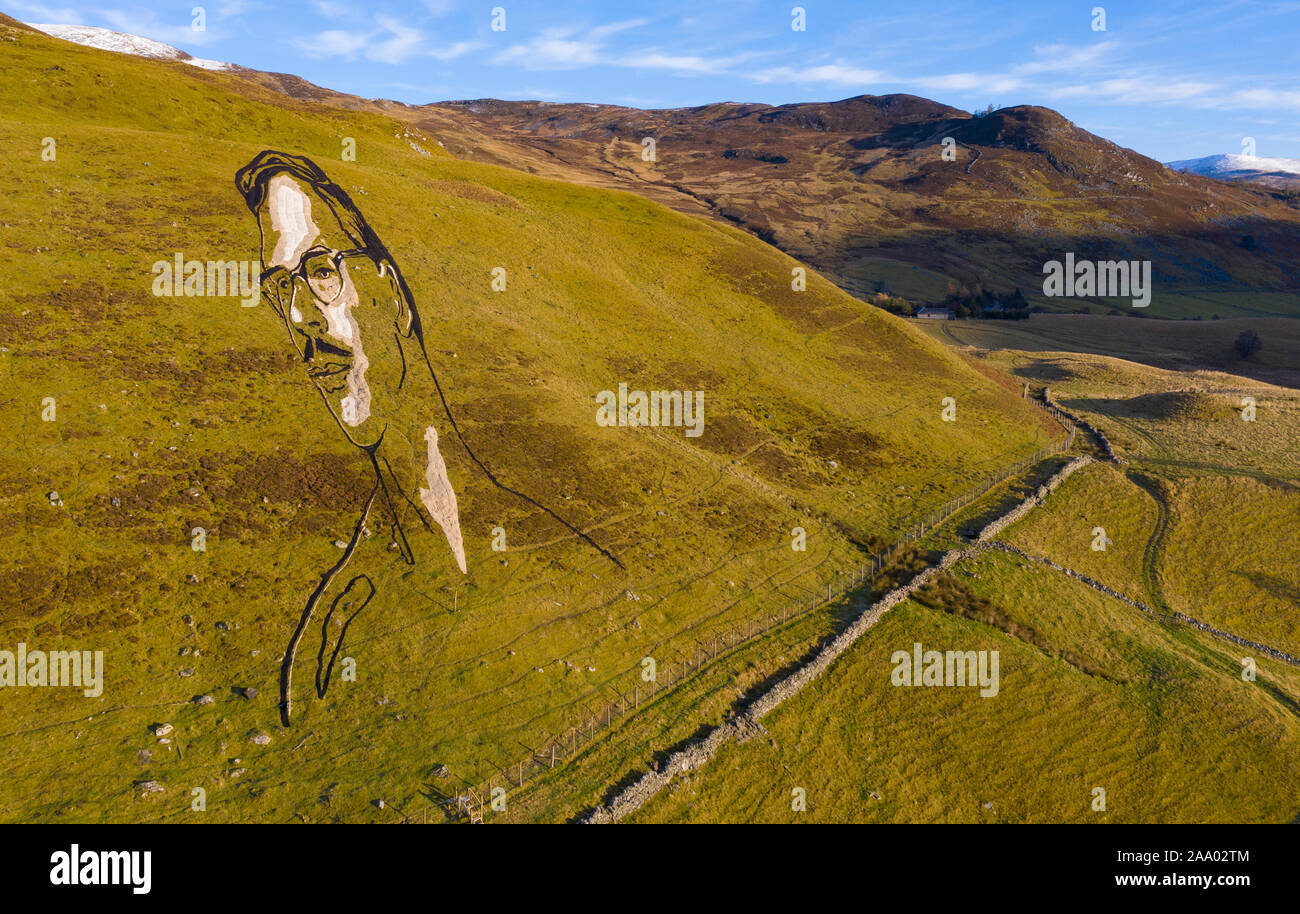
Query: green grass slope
column 1093, row 694
column 1213, row 547
column 176, row 413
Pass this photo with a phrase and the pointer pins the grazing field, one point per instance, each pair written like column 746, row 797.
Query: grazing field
column 1102, row 496
column 1185, row 345
column 1205, row 546
column 1207, row 499
column 1093, row 694
column 1180, row 421
column 1231, row 557
column 1198, row 519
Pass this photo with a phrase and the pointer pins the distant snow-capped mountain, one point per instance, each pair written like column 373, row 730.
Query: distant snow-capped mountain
column 1241, row 168
column 124, row 43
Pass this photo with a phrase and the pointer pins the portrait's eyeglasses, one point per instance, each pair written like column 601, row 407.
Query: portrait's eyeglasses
column 320, row 270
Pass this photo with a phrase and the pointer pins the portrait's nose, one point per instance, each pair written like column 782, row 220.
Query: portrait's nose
column 316, row 340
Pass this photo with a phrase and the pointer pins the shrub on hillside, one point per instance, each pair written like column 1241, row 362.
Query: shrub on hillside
column 1248, row 343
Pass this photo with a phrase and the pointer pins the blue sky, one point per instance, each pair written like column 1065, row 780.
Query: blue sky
column 1170, row 79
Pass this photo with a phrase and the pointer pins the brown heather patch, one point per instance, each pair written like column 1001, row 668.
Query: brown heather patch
column 29, row 592
column 727, row 434
column 476, row 192
column 777, row 466
column 321, row 477
column 951, row 596
column 852, row 448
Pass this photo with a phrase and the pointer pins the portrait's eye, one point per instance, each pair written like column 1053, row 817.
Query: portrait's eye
column 323, row 277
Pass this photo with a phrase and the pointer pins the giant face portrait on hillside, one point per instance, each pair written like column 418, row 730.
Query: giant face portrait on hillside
column 336, row 290
column 350, row 318
column 346, row 310
column 344, row 306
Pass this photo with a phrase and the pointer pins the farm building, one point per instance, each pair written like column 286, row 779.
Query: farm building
column 939, row 314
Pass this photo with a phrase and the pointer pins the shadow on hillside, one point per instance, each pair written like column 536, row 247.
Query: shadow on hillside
column 1045, row 370
column 1015, row 493
column 1175, row 405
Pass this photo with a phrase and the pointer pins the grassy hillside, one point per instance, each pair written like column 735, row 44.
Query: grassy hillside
column 177, row 413
column 1092, row 694
column 1176, row 345
column 861, row 188
column 1212, row 547
column 1200, row 517
column 1180, row 421
column 1098, row 496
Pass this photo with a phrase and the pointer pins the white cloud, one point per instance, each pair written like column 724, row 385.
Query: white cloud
column 147, row 26
column 39, row 12
column 1135, row 90
column 458, row 49
column 572, row 48
column 331, row 10
column 835, row 74
column 970, row 82
column 391, row 42
column 601, row 32
column 553, row 49
column 401, row 43
column 1263, row 98
column 331, row 43
column 233, row 8
column 1056, row 57
column 682, row 63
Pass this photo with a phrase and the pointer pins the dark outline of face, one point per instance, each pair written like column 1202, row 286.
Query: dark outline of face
column 329, row 361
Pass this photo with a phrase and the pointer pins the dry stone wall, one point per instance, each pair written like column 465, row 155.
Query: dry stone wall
column 1164, row 617
column 697, row 753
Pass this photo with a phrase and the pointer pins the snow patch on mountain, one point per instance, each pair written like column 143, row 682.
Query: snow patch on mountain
column 1235, row 166
column 124, row 43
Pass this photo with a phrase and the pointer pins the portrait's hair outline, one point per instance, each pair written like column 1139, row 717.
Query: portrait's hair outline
column 253, row 182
